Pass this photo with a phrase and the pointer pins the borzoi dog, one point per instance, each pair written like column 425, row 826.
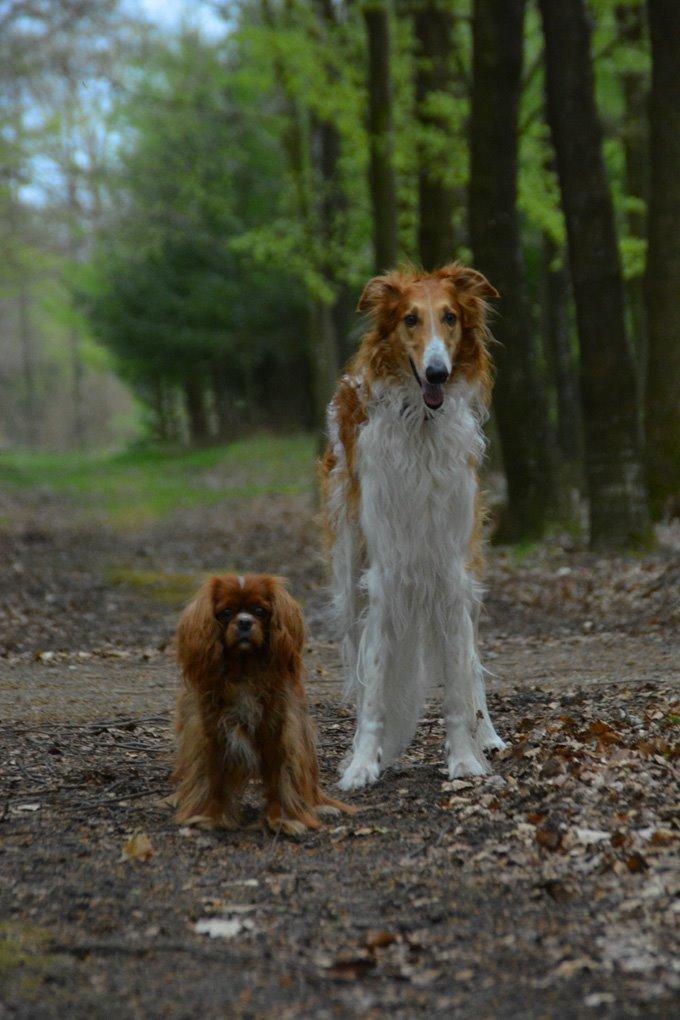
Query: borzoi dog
column 404, row 515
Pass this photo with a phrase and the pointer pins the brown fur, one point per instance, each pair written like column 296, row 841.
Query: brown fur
column 242, row 713
column 385, row 349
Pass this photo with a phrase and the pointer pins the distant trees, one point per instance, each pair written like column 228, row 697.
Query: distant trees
column 215, row 205
column 613, row 455
column 662, row 408
column 182, row 312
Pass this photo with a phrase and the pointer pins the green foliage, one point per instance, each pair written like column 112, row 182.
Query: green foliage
column 197, row 238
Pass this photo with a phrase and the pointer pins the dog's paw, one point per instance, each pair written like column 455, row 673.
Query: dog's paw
column 466, row 765
column 358, row 774
column 210, row 822
column 288, row 826
column 327, row 809
column 489, row 739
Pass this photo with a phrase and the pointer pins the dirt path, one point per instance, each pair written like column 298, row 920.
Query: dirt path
column 546, row 889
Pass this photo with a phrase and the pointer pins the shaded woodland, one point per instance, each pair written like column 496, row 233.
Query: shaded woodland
column 188, row 217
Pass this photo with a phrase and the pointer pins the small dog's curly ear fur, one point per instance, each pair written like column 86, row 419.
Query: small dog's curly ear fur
column 287, row 629
column 198, row 647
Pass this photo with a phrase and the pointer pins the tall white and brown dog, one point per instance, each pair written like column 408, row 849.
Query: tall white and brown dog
column 404, row 516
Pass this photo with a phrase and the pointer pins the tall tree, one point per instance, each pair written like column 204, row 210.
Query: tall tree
column 556, row 328
column 630, row 19
column 614, row 474
column 380, row 129
column 323, row 342
column 494, row 232
column 663, row 266
column 433, row 23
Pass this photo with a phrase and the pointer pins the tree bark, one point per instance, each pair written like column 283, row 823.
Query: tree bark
column 380, row 132
column 433, row 22
column 662, row 415
column 520, row 407
column 28, row 365
column 194, row 397
column 323, row 345
column 557, row 338
column 636, row 149
column 616, row 486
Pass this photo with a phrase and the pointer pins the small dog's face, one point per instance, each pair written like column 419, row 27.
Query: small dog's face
column 242, row 607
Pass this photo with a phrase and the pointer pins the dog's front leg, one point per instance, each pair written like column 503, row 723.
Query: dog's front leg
column 462, row 675
column 364, row 765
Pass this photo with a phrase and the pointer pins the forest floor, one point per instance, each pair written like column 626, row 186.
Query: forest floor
column 547, row 889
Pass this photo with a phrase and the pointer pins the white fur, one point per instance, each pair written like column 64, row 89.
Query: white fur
column 436, row 351
column 404, row 601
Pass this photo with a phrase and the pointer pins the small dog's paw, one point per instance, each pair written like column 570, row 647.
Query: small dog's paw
column 358, row 774
column 466, row 765
column 211, row 822
column 327, row 809
column 289, row 826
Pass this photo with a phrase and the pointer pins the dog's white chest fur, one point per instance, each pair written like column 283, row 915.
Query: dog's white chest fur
column 417, row 481
column 404, row 598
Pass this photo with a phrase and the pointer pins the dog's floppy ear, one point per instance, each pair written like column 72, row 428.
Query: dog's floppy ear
column 198, row 647
column 287, row 628
column 468, row 280
column 380, row 292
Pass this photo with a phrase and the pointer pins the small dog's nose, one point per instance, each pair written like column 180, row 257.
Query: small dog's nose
column 244, row 624
column 436, row 372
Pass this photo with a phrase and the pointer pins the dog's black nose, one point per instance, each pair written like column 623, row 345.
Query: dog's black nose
column 436, row 372
column 244, row 624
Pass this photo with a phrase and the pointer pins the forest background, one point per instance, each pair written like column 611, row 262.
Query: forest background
column 190, row 205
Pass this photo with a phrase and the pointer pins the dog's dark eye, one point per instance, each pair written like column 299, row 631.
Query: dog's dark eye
column 450, row 318
column 260, row 612
column 411, row 320
column 225, row 615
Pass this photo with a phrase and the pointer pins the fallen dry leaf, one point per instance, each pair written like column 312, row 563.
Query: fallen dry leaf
column 137, row 848
column 379, row 939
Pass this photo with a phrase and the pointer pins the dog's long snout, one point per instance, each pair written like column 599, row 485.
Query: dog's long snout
column 436, row 372
column 244, row 622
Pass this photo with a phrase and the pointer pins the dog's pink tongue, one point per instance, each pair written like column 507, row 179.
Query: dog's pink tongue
column 433, row 394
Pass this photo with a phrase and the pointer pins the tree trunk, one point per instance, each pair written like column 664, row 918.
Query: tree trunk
column 663, row 264
column 323, row 346
column 380, row 132
column 557, row 339
column 228, row 419
column 520, row 408
column 73, row 248
column 433, row 22
column 636, row 149
column 28, row 365
column 616, row 487
column 194, row 397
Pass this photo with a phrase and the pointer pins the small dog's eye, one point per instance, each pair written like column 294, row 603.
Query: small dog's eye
column 411, row 320
column 450, row 318
column 259, row 611
column 225, row 616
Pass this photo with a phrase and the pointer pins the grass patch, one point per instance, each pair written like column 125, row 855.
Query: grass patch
column 168, row 588
column 141, row 486
column 25, row 957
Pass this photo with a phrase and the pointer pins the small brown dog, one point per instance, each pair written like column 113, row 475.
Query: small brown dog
column 242, row 710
